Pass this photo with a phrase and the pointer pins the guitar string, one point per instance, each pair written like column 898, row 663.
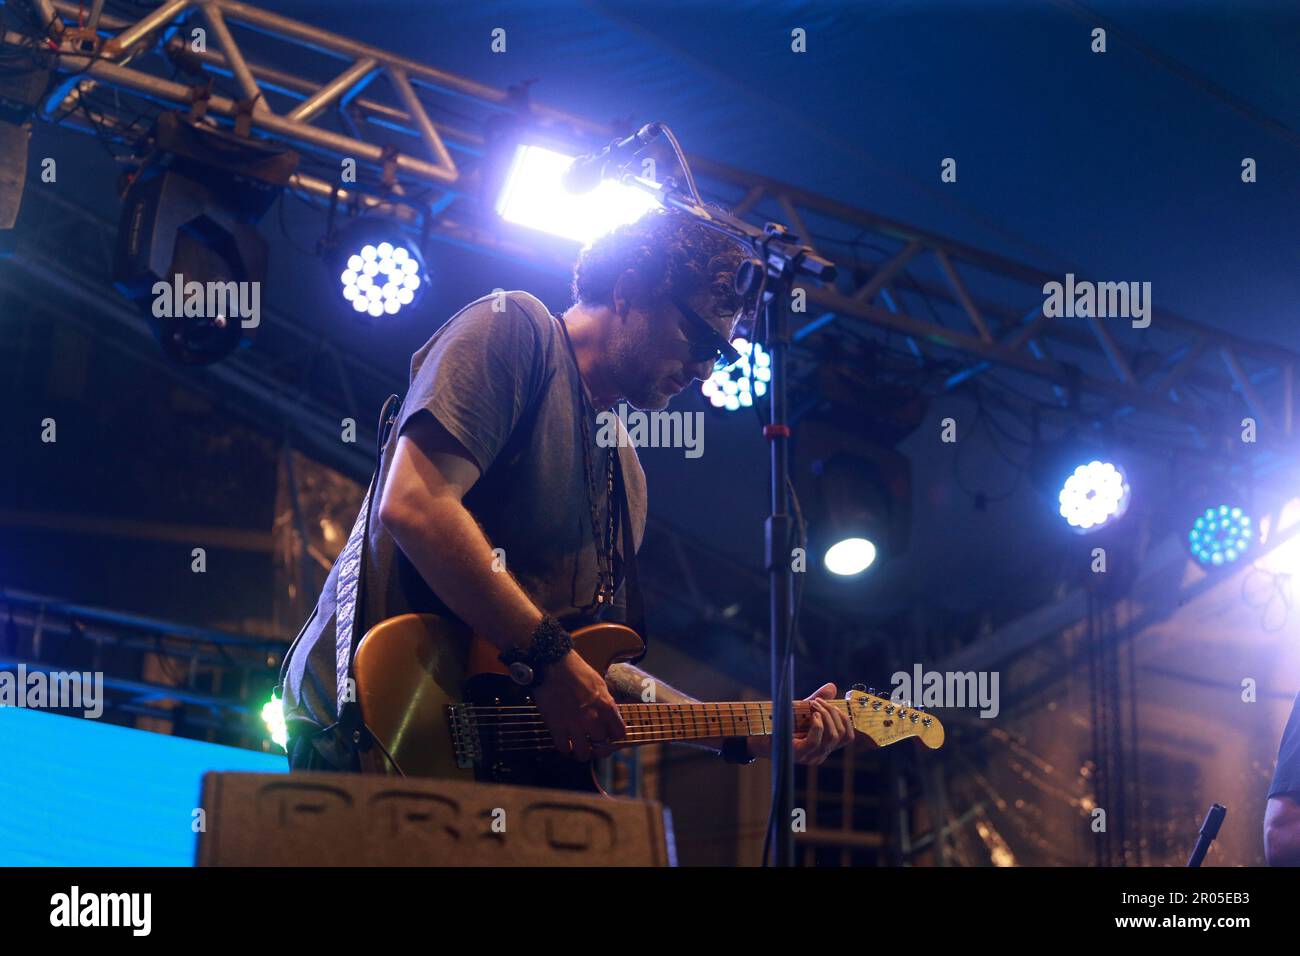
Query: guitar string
column 667, row 708
column 646, row 725
column 642, row 717
column 696, row 704
column 801, row 705
column 655, row 729
column 546, row 743
column 649, row 723
column 674, row 717
column 673, row 714
column 541, row 740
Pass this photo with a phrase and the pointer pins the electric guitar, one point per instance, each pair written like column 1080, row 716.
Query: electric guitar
column 439, row 703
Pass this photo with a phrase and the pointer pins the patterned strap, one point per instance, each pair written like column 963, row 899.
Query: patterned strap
column 348, row 586
column 345, row 598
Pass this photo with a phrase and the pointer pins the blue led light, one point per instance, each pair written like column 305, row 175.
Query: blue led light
column 1220, row 535
column 736, row 387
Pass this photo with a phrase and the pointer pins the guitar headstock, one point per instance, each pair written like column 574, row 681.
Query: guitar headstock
column 887, row 722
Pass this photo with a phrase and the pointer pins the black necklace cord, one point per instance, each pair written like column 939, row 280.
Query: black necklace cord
column 604, row 544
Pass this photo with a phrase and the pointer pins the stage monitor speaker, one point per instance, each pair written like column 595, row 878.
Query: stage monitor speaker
column 330, row 819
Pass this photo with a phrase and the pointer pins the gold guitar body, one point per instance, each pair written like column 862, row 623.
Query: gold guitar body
column 413, row 669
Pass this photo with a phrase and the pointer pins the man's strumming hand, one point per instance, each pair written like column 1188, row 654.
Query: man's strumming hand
column 578, row 709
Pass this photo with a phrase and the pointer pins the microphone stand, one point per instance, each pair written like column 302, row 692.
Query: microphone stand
column 1209, row 830
column 778, row 260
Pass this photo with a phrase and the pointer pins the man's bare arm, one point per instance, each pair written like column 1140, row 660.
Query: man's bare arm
column 632, row 685
column 421, row 508
column 1282, row 830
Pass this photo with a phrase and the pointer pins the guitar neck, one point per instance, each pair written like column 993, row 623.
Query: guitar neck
column 518, row 728
column 662, row 723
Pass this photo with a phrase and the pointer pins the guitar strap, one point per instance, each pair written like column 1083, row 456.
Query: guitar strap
column 350, row 589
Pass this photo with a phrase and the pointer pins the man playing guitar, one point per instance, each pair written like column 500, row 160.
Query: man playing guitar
column 495, row 504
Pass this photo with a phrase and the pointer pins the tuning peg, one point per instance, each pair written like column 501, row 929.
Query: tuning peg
column 860, row 688
column 872, row 692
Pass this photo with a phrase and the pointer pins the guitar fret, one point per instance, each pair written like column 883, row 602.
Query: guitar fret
column 656, row 723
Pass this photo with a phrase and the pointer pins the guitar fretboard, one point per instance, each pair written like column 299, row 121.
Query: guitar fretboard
column 522, row 727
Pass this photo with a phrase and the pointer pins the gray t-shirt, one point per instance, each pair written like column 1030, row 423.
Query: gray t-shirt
column 504, row 383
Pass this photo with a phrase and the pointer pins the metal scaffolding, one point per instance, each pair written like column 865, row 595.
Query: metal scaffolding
column 31, row 621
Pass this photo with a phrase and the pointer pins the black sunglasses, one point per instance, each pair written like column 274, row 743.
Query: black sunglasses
column 706, row 342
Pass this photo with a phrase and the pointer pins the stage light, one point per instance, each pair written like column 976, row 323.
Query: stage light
column 380, row 271
column 1095, row 495
column 736, row 387
column 532, row 196
column 850, row 556
column 1220, row 535
column 855, row 498
column 188, row 252
column 273, row 717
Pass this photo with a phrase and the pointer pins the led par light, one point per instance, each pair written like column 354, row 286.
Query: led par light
column 378, row 270
column 1220, row 535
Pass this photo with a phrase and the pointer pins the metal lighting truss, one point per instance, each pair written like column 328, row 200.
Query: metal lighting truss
column 952, row 304
column 46, row 624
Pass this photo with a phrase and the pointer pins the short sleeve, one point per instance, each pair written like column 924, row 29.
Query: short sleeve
column 479, row 374
column 1286, row 779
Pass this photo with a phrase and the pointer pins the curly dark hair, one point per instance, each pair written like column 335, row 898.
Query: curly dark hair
column 671, row 254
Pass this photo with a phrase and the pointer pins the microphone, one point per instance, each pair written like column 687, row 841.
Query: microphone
column 585, row 173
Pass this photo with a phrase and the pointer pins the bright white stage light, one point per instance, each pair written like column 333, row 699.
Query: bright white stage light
column 850, row 556
column 273, row 717
column 381, row 279
column 533, row 197
column 1094, row 495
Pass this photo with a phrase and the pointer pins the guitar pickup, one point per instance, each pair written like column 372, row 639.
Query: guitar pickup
column 464, row 736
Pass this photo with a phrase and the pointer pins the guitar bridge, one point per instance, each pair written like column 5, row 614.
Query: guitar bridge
column 464, row 735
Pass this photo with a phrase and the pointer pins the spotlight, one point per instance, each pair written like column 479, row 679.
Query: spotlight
column 1220, row 535
column 736, row 387
column 850, row 556
column 856, row 498
column 188, row 252
column 532, row 196
column 854, row 512
column 273, row 717
column 379, row 271
column 1094, row 495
